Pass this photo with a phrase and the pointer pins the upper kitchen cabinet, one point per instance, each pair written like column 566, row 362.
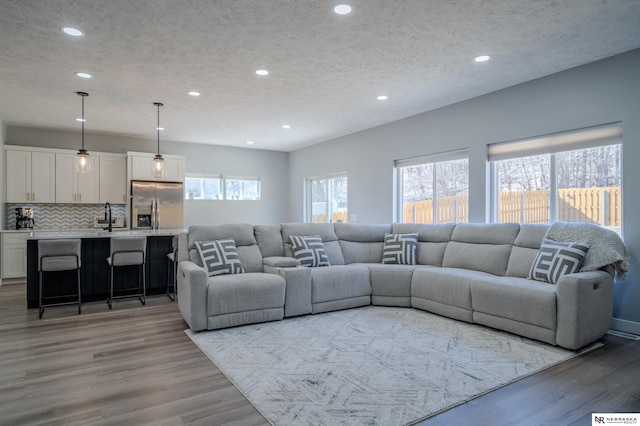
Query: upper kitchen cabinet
column 73, row 186
column 141, row 167
column 113, row 179
column 30, row 176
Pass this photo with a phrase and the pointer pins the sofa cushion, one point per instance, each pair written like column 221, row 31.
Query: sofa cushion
column 227, row 294
column 241, row 233
column 361, row 243
column 400, row 249
column 518, row 299
column 309, row 250
column 269, row 240
column 488, row 258
column 556, row 259
column 324, row 230
column 219, row 257
column 390, row 284
column 525, row 248
column 339, row 282
column 432, row 240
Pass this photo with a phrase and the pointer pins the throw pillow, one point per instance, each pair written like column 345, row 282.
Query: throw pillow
column 400, row 249
column 556, row 258
column 220, row 257
column 309, row 250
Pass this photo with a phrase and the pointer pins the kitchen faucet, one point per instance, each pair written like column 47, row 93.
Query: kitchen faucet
column 107, row 207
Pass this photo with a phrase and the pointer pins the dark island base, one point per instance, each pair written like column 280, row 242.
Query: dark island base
column 94, row 273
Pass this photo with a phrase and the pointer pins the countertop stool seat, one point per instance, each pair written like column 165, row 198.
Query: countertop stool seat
column 55, row 256
column 126, row 252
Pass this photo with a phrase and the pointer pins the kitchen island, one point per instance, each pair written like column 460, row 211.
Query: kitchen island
column 94, row 273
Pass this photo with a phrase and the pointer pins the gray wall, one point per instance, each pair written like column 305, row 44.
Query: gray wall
column 270, row 166
column 601, row 92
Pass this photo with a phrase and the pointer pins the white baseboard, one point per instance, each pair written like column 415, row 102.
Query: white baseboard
column 626, row 326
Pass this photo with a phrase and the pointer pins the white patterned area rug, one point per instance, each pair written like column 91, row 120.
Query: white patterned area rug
column 369, row 366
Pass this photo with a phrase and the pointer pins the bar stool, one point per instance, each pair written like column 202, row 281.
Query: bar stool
column 58, row 255
column 128, row 251
column 172, row 273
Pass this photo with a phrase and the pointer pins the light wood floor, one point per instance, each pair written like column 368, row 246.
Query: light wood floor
column 134, row 365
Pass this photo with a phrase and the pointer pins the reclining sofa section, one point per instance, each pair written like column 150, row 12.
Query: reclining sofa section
column 470, row 272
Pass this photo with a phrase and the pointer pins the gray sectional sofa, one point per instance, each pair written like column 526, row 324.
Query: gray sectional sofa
column 470, row 272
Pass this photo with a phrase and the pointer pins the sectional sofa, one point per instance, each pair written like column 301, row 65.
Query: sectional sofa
column 476, row 273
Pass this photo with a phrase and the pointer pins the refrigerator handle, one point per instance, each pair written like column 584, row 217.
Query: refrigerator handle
column 157, row 214
column 153, row 215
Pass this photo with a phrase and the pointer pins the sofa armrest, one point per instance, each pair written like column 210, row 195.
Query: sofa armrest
column 298, row 291
column 584, row 308
column 280, row 262
column 192, row 294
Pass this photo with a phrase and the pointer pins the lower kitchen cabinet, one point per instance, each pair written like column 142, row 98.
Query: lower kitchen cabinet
column 14, row 255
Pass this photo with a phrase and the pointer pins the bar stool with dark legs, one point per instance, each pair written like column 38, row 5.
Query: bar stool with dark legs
column 128, row 251
column 58, row 255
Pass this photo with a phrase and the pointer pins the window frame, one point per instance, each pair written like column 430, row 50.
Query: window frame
column 308, row 202
column 552, row 145
column 202, row 177
column 442, row 157
column 243, row 180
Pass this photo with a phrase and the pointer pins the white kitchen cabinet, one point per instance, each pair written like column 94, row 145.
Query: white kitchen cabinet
column 30, row 176
column 113, row 179
column 141, row 167
column 14, row 254
column 73, row 186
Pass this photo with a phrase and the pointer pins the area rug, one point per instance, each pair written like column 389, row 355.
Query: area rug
column 369, row 366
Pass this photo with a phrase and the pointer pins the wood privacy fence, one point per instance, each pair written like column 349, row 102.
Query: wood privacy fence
column 335, row 217
column 601, row 206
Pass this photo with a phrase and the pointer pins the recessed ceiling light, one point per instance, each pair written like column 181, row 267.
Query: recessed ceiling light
column 286, row 126
column 194, row 93
column 83, row 75
column 74, row 32
column 262, row 72
column 382, row 97
column 81, row 119
column 342, row 9
column 249, row 142
column 482, row 58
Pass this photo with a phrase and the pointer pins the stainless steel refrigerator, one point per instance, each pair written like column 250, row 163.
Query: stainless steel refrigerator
column 157, row 205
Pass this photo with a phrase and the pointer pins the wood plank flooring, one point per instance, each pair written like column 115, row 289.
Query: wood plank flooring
column 134, row 365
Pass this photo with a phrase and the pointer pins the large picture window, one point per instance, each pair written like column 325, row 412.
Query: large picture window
column 327, row 199
column 433, row 189
column 573, row 177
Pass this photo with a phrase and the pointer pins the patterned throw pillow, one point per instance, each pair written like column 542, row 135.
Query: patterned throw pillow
column 309, row 250
column 400, row 249
column 220, row 257
column 555, row 259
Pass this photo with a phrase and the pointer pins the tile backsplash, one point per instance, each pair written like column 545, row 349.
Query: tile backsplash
column 62, row 216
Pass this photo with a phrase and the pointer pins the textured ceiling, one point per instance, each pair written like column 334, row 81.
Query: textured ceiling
column 326, row 70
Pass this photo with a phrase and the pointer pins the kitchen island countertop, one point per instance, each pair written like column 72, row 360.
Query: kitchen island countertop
column 91, row 233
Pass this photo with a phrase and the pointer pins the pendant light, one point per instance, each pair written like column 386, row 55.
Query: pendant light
column 158, row 161
column 82, row 161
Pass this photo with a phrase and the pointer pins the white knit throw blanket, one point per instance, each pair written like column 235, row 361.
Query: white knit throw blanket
column 607, row 247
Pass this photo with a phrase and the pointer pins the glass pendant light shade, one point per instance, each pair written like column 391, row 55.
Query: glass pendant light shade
column 83, row 163
column 158, row 170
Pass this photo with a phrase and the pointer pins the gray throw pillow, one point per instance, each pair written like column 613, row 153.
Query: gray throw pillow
column 219, row 257
column 556, row 258
column 400, row 249
column 309, row 250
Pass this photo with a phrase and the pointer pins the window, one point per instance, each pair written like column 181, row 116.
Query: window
column 242, row 188
column 433, row 189
column 573, row 177
column 327, row 199
column 203, row 187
